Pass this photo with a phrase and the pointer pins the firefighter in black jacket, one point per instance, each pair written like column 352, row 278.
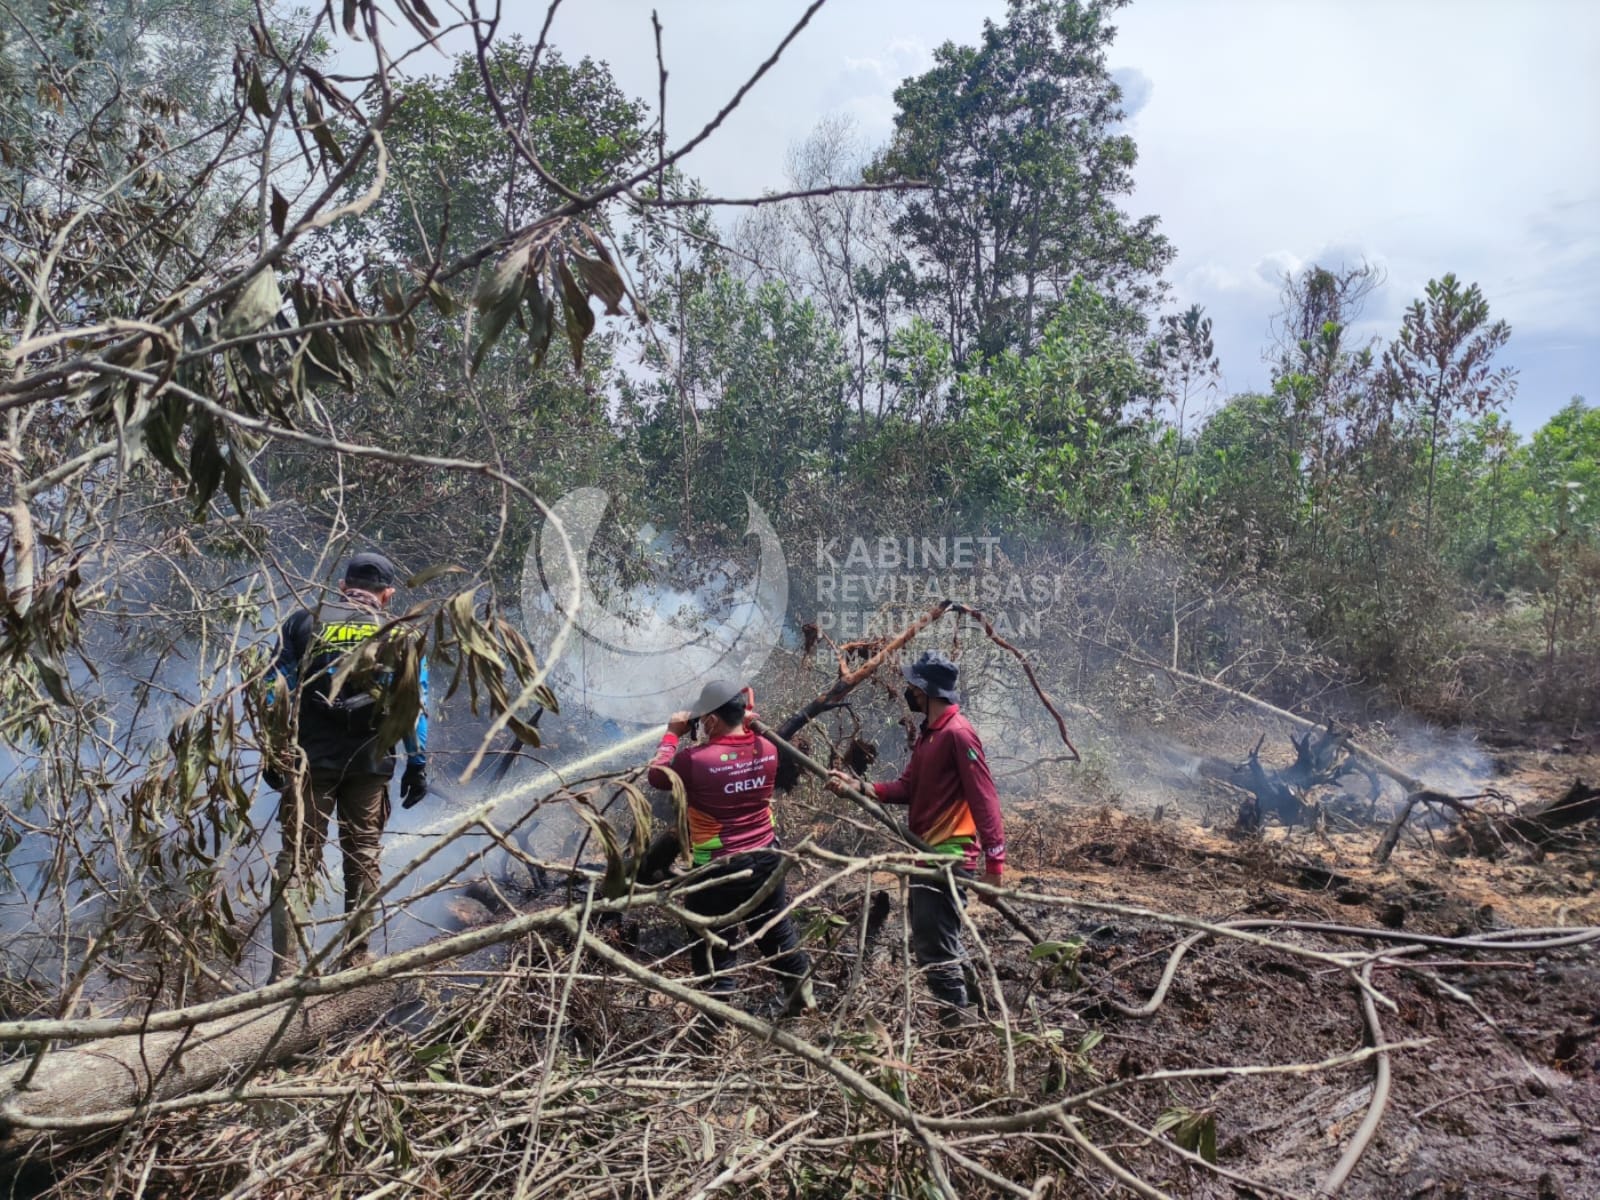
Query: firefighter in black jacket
column 346, row 771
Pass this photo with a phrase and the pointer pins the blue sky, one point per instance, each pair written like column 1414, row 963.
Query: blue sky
column 1424, row 135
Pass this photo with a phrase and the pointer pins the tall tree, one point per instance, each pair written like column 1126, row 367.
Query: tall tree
column 451, row 145
column 1248, row 484
column 837, row 247
column 1563, row 464
column 1020, row 139
column 1042, row 437
column 1479, row 474
column 1183, row 359
column 1442, row 365
column 1324, row 376
column 763, row 373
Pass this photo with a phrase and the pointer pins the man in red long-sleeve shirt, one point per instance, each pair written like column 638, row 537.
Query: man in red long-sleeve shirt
column 728, row 781
column 955, row 809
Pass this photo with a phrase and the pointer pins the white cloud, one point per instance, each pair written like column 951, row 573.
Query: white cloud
column 1137, row 88
column 1327, row 130
column 1271, row 269
column 866, row 85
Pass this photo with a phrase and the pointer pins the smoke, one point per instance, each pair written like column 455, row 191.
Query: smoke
column 1451, row 760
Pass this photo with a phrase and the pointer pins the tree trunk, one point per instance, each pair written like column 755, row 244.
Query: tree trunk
column 105, row 1080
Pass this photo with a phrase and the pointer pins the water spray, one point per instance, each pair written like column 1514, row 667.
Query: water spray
column 554, row 776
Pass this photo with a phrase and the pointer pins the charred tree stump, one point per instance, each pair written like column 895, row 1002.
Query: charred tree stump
column 1269, row 795
column 1322, row 758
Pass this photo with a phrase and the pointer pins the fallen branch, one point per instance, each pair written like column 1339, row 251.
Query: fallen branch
column 74, row 1085
column 878, row 812
column 850, row 678
column 1380, row 1094
column 1391, row 835
column 1534, row 826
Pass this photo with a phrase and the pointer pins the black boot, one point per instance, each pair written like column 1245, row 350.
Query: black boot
column 952, row 1016
column 975, row 996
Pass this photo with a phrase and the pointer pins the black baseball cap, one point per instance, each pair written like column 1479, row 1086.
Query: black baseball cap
column 934, row 674
column 370, row 569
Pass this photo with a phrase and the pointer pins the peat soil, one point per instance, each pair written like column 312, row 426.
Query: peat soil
column 1501, row 1098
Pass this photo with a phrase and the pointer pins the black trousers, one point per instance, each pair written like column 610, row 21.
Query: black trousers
column 779, row 945
column 935, row 914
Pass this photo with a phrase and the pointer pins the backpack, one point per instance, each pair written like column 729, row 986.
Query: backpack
column 347, row 648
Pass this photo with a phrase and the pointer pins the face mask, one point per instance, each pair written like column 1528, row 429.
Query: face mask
column 914, row 700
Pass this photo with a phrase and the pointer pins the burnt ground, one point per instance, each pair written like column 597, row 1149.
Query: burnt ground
column 1502, row 1101
column 1497, row 1097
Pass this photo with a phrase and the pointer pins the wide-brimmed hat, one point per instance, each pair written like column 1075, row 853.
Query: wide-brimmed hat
column 934, row 674
column 717, row 693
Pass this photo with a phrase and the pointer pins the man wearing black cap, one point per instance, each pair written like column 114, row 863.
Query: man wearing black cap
column 728, row 781
column 954, row 808
column 346, row 771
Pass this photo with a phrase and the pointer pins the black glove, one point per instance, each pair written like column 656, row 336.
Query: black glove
column 413, row 784
column 274, row 778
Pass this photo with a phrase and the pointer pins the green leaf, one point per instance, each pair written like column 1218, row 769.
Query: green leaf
column 602, row 280
column 205, row 466
column 255, row 92
column 53, row 675
column 1192, row 1130
column 233, row 481
column 256, row 306
column 318, row 127
column 424, row 1055
column 441, row 299
column 1052, row 950
column 497, row 298
column 508, row 276
column 162, row 428
column 540, row 326
column 494, row 323
column 580, row 317
column 527, row 734
column 428, row 574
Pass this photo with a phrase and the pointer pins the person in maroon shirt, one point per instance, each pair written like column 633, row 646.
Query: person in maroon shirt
column 728, row 781
column 955, row 809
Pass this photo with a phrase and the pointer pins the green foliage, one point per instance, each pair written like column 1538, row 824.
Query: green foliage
column 1194, row 1130
column 1442, row 365
column 451, row 152
column 752, row 401
column 1562, row 471
column 1060, row 961
column 1247, row 477
column 1044, row 437
column 1018, row 138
